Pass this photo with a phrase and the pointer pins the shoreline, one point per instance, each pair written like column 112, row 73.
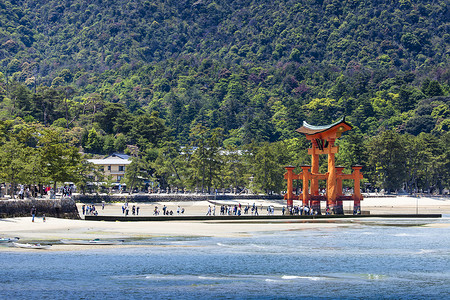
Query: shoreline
column 55, row 229
column 150, row 233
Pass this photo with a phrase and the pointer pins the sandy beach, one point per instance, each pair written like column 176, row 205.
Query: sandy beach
column 53, row 229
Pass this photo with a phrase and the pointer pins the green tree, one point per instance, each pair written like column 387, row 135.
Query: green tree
column 135, row 173
column 214, row 159
column 13, row 163
column 147, row 130
column 205, row 159
column 21, row 99
column 234, row 171
column 444, row 171
column 84, row 171
column 418, row 124
column 120, row 142
column 94, row 143
column 321, row 111
column 428, row 154
column 432, row 88
column 112, row 118
column 267, row 166
column 62, row 162
column 352, row 149
column 108, row 145
column 168, row 164
column 387, row 160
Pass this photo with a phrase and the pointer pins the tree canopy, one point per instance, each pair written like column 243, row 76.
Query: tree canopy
column 150, row 74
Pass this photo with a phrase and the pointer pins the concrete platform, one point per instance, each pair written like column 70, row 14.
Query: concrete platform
column 247, row 217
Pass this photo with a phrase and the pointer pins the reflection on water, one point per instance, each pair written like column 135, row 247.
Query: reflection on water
column 383, row 259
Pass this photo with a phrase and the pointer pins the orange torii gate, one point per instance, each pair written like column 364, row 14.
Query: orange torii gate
column 322, row 139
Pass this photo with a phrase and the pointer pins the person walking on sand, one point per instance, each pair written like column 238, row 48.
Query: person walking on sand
column 209, row 210
column 33, row 213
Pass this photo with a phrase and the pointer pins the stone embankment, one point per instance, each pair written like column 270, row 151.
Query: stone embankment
column 59, row 208
column 178, row 197
column 170, row 197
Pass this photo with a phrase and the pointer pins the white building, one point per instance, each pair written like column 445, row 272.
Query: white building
column 114, row 165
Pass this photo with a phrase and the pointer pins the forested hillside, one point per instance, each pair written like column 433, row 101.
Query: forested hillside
column 241, row 74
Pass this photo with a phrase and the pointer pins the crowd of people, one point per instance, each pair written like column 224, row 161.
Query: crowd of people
column 167, row 212
column 126, row 209
column 67, row 191
column 224, row 210
column 89, row 210
column 301, row 210
column 22, row 191
column 238, row 209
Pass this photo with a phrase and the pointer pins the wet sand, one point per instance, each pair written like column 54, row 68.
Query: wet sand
column 53, row 230
column 391, row 205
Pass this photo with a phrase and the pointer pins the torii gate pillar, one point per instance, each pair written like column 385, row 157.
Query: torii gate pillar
column 332, row 179
column 290, row 178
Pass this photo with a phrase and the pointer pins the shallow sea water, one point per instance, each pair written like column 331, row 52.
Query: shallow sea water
column 386, row 259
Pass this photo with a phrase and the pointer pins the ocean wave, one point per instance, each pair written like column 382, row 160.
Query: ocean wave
column 210, row 278
column 404, row 235
column 271, row 280
column 312, row 278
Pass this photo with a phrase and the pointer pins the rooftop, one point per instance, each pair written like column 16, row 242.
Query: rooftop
column 120, row 155
column 312, row 129
column 110, row 161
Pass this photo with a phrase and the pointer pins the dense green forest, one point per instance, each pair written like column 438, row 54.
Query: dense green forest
column 240, row 76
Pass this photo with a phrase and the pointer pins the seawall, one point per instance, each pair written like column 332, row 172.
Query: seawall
column 169, row 197
column 59, row 208
column 249, row 217
column 125, row 197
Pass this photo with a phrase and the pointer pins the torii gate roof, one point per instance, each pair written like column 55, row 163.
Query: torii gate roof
column 313, row 130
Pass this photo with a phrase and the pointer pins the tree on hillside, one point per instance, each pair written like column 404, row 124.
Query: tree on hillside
column 111, row 116
column 321, row 111
column 147, row 129
column 94, row 142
